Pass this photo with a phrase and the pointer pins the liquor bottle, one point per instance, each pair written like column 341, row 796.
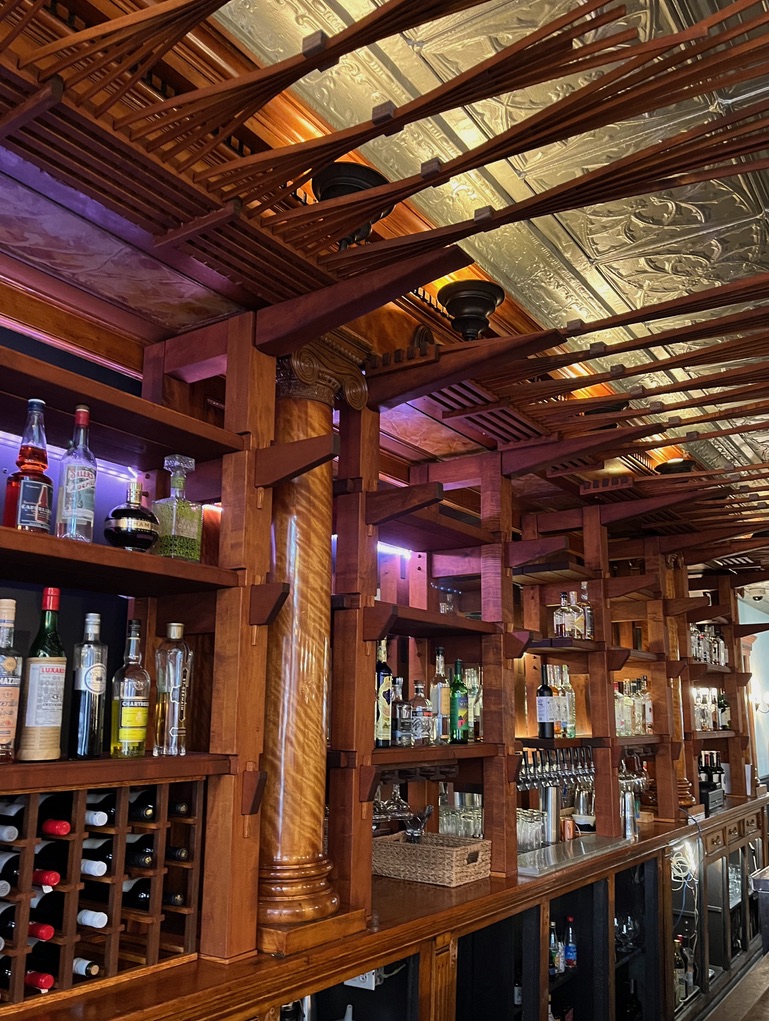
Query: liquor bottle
column 472, row 683
column 140, row 850
column 42, row 692
column 440, row 696
column 130, row 525
column 553, row 950
column 38, row 930
column 562, row 621
column 89, row 686
column 180, row 521
column 47, row 956
column 570, row 699
column 400, row 717
column 679, row 971
column 49, row 907
column 130, row 700
column 421, row 716
column 724, row 712
column 544, row 708
column 173, row 664
column 552, row 674
column 10, row 862
column 29, row 491
column 587, row 613
column 570, row 944
column 577, row 617
column 10, row 681
column 77, row 484
column 714, row 721
column 32, row 979
column 137, row 893
column 382, row 697
column 648, row 706
column 458, row 699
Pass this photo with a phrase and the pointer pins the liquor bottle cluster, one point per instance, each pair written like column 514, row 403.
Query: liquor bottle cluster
column 711, row 709
column 633, row 709
column 173, row 526
column 711, row 777
column 707, row 645
column 562, row 952
column 453, row 714
column 574, row 618
column 556, row 703
column 32, row 691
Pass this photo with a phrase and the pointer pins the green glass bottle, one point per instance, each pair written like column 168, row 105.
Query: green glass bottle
column 42, row 692
column 458, row 707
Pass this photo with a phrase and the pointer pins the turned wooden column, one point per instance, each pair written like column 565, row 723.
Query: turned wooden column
column 293, row 874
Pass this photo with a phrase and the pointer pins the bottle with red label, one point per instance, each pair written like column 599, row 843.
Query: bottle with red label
column 42, row 693
column 77, row 485
column 29, row 491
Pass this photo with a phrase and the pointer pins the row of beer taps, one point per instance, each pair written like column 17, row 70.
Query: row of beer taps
column 560, row 767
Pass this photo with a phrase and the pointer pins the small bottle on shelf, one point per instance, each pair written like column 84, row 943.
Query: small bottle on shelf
column 130, row 700
column 382, row 697
column 29, row 491
column 440, row 697
column 42, row 691
column 89, row 687
column 77, row 484
column 458, row 706
column 545, row 705
column 10, row 681
column 400, row 717
column 422, row 722
column 130, row 525
column 180, row 521
column 173, row 663
column 562, row 621
column 570, row 944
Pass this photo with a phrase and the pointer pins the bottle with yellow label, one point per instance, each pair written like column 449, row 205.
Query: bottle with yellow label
column 10, row 680
column 130, row 700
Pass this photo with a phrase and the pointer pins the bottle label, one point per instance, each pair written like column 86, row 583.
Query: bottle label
column 382, row 709
column 33, row 510
column 76, row 494
column 570, row 955
column 459, row 713
column 421, row 726
column 132, row 726
column 46, row 678
column 545, row 709
column 92, row 678
column 440, row 696
column 10, row 687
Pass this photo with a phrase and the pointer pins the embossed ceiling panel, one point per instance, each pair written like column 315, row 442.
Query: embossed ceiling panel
column 580, row 264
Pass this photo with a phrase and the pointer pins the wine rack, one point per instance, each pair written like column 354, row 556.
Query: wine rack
column 134, row 936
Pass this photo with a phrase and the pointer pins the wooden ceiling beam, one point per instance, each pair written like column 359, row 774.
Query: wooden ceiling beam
column 634, row 549
column 33, row 107
column 526, row 457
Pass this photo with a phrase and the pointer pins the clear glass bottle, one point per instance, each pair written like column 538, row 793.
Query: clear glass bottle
column 458, row 706
column 724, row 712
column 29, row 491
column 173, row 664
column 10, row 680
column 180, row 520
column 554, row 680
column 42, row 693
column 421, row 716
column 587, row 612
column 89, row 688
column 577, row 622
column 648, row 706
column 562, row 618
column 473, row 682
column 130, row 525
column 440, row 697
column 77, row 484
column 400, row 717
column 130, row 700
column 570, row 700
column 382, row 697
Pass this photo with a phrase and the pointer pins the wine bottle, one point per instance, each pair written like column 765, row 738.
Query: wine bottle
column 175, row 900
column 141, row 805
column 53, row 814
column 173, row 662
column 10, row 682
column 137, row 893
column 29, row 491
column 458, row 700
column 47, row 824
column 177, row 853
column 89, row 686
column 10, row 862
column 38, row 930
column 140, row 850
column 97, row 856
column 47, row 956
column 545, row 726
column 49, row 907
column 32, row 979
column 130, row 700
column 178, row 808
column 77, row 484
column 42, row 693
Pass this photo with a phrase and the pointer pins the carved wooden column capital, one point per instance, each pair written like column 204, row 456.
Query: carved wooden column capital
column 326, row 369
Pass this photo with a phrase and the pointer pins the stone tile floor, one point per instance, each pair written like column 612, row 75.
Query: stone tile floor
column 749, row 1000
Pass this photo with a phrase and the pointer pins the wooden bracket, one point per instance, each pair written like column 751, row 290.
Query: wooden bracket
column 266, row 601
column 625, row 584
column 514, row 763
column 745, row 630
column 252, row 791
column 529, row 551
column 627, row 610
column 283, row 462
column 675, row 667
column 687, row 605
column 456, row 563
column 394, row 503
column 514, row 643
column 194, row 228
column 706, row 612
column 617, row 657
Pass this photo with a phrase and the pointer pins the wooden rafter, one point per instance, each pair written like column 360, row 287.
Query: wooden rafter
column 24, row 12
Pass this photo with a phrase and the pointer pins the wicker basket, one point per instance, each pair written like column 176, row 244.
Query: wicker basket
column 439, row 859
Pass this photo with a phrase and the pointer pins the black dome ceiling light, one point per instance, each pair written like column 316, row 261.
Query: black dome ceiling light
column 676, row 466
column 470, row 303
column 345, row 178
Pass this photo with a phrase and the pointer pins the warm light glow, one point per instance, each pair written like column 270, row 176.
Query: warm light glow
column 383, row 547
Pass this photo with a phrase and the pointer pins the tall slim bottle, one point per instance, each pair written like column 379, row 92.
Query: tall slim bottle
column 29, row 491
column 130, row 700
column 545, row 708
column 458, row 700
column 10, row 680
column 77, row 484
column 89, row 688
column 42, row 692
column 440, row 696
column 382, row 697
column 173, row 663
